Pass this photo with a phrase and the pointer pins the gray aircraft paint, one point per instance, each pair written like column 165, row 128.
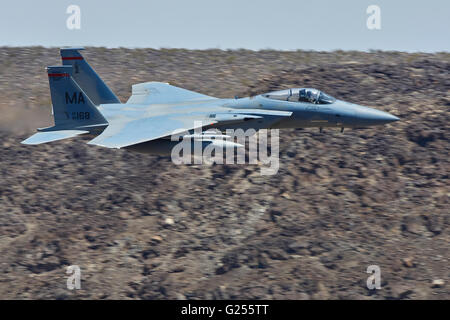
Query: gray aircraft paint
column 156, row 110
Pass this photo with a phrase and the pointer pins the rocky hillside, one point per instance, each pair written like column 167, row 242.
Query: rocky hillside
column 141, row 227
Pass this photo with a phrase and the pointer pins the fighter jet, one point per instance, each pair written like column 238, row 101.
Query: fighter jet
column 82, row 104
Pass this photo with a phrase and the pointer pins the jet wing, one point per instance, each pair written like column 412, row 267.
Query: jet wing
column 123, row 133
column 161, row 93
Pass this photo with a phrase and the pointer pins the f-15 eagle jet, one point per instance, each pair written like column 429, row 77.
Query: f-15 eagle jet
column 84, row 104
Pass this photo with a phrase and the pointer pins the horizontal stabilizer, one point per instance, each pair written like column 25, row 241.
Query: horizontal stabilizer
column 49, row 136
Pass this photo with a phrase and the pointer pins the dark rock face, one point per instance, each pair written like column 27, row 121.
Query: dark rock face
column 141, row 227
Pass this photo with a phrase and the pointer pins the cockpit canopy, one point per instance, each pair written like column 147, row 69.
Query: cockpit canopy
column 301, row 95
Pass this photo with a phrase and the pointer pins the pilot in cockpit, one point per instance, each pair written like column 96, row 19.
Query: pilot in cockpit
column 308, row 95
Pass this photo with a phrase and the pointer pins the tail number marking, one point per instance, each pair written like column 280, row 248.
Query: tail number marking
column 78, row 115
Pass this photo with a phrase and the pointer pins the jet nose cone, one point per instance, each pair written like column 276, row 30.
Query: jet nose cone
column 393, row 118
column 386, row 117
column 374, row 117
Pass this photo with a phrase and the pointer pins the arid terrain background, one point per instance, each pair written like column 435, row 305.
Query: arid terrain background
column 141, row 227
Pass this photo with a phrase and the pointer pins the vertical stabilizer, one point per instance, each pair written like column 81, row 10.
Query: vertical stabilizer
column 72, row 107
column 87, row 78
